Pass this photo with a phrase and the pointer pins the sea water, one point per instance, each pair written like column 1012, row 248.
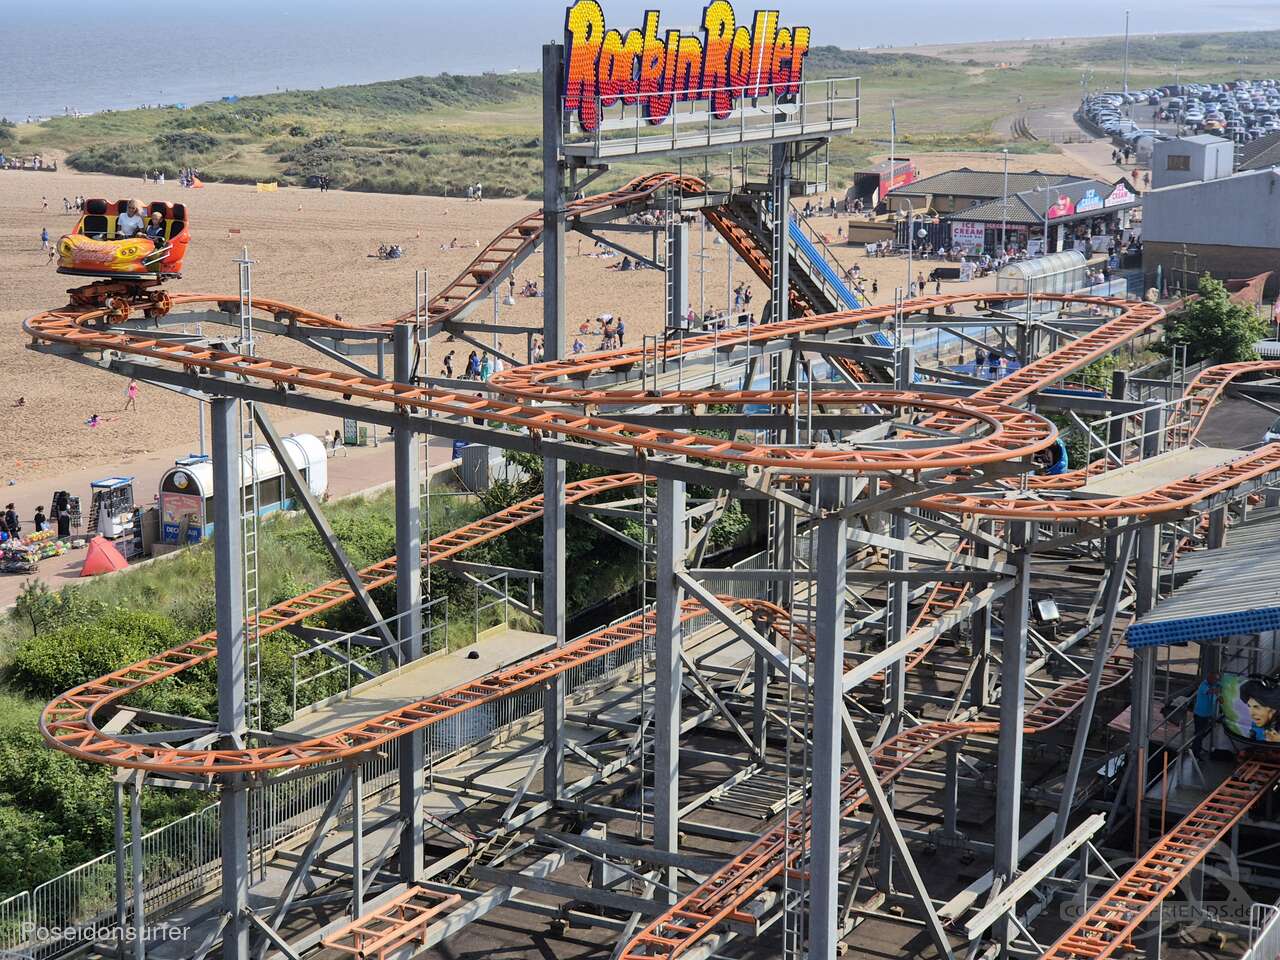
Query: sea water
column 68, row 55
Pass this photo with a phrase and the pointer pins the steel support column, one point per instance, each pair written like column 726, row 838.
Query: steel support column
column 135, row 859
column 228, row 566
column 1110, row 601
column 780, row 193
column 553, row 471
column 668, row 674
column 1142, row 682
column 553, row 204
column 980, row 639
column 1013, row 672
column 1218, row 527
column 678, row 269
column 122, row 903
column 828, row 665
column 408, row 486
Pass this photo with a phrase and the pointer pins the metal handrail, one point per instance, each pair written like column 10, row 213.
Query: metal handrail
column 690, row 119
column 348, row 654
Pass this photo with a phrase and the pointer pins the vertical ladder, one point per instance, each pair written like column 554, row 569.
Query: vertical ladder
column 797, row 777
column 249, row 510
column 668, row 258
column 422, row 371
column 648, row 609
column 779, row 247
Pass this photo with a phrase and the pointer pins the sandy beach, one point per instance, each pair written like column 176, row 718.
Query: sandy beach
column 310, row 249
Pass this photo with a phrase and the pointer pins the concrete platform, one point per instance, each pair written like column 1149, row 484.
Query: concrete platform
column 417, row 681
column 1150, row 474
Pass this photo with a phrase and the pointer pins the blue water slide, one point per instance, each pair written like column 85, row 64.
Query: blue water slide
column 848, row 299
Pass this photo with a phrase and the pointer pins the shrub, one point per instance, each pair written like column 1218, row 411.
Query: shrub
column 186, row 142
column 57, row 660
column 1213, row 327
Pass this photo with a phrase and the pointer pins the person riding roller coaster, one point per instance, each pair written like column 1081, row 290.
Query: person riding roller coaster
column 1053, row 461
column 124, row 240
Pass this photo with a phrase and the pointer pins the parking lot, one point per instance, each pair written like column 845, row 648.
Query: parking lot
column 1239, row 110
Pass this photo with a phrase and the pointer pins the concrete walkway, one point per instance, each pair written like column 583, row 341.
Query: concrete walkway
column 353, row 470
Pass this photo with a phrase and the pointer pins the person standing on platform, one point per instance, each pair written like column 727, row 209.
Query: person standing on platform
column 1204, row 713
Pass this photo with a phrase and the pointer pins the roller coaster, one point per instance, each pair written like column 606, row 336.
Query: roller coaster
column 942, row 483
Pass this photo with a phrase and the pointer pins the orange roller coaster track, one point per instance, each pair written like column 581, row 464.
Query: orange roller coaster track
column 1112, row 921
column 783, row 846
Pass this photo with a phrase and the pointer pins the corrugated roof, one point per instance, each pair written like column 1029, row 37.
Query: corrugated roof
column 1027, row 207
column 1234, row 591
column 978, row 183
column 1260, row 154
column 993, row 211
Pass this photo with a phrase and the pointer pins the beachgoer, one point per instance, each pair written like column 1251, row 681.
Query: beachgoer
column 44, row 238
column 578, row 346
column 129, row 223
column 11, row 522
column 473, row 367
column 40, row 520
column 64, row 521
column 486, row 367
column 447, row 365
column 93, row 421
column 131, row 396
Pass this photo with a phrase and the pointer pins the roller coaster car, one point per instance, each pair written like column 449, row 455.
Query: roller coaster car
column 94, row 249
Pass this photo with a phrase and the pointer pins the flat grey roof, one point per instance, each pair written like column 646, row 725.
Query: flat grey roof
column 1234, row 591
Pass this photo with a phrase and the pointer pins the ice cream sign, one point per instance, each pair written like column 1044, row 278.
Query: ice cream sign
column 1089, row 202
column 728, row 62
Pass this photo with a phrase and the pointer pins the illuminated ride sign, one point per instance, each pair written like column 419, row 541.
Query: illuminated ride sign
column 729, row 63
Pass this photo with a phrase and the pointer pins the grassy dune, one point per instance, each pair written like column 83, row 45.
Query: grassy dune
column 436, row 135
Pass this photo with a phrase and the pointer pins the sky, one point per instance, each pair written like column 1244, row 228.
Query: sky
column 257, row 46
column 502, row 34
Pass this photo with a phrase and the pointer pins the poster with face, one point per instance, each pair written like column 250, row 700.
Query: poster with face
column 1251, row 708
column 1063, row 208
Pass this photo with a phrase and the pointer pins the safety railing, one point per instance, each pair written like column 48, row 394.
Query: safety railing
column 360, row 654
column 491, row 593
column 1122, row 438
column 689, row 121
column 823, row 266
column 181, row 860
column 1264, row 932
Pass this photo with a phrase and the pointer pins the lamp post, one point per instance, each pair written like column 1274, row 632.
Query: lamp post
column 1004, row 207
column 1045, row 251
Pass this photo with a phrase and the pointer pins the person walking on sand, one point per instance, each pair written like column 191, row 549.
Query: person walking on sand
column 44, row 204
column 131, row 396
column 44, row 238
column 40, row 520
column 447, row 366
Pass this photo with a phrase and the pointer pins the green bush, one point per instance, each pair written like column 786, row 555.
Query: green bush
column 1213, row 327
column 186, row 142
column 51, row 662
column 31, row 851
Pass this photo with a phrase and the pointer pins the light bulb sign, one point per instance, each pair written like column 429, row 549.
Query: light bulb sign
column 655, row 69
